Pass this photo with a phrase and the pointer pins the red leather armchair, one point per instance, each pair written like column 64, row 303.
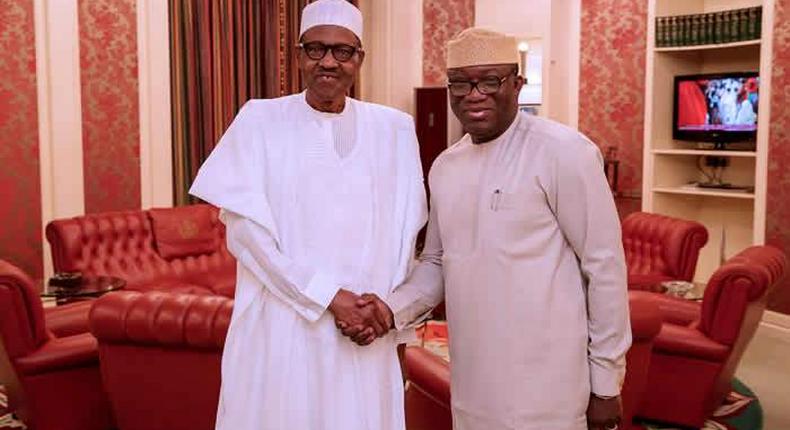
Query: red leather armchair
column 54, row 381
column 697, row 351
column 178, row 249
column 428, row 376
column 160, row 357
column 660, row 248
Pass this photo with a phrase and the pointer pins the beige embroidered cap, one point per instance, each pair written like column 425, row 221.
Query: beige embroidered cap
column 478, row 46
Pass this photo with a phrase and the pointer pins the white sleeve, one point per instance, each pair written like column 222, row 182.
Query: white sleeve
column 307, row 290
column 231, row 179
column 585, row 210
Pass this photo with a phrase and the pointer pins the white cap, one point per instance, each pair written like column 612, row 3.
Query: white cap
column 332, row 12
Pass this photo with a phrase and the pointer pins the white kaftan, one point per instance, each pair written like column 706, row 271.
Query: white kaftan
column 524, row 245
column 304, row 221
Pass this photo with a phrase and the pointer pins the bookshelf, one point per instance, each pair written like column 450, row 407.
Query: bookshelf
column 735, row 218
column 706, row 47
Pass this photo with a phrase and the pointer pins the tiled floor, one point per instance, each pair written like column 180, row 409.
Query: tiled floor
column 765, row 368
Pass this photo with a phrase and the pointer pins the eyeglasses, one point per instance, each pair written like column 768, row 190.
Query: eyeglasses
column 317, row 50
column 486, row 86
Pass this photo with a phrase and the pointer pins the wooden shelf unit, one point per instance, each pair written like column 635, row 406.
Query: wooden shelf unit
column 709, row 46
column 735, row 219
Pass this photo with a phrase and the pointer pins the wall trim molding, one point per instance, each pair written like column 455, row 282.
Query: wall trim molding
column 153, row 56
column 776, row 325
column 575, row 63
column 59, row 113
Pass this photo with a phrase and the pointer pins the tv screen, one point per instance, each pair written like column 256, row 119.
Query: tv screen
column 716, row 108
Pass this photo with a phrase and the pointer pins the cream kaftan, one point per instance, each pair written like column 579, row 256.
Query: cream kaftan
column 523, row 243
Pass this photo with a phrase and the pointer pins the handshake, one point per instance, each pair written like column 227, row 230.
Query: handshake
column 361, row 318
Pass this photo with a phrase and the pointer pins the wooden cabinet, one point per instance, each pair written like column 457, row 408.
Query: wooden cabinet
column 431, row 123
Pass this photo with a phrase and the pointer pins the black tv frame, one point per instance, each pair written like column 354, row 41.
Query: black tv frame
column 718, row 137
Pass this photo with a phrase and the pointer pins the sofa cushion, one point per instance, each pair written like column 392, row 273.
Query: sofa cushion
column 183, row 231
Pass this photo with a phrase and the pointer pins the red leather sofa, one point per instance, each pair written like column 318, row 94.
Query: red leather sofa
column 660, row 248
column 179, row 249
column 428, row 376
column 53, row 380
column 700, row 345
column 160, row 357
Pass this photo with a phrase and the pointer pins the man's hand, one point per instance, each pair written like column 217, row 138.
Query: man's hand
column 603, row 414
column 364, row 322
column 361, row 334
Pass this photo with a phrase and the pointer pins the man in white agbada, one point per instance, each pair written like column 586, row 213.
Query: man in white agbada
column 322, row 199
column 523, row 244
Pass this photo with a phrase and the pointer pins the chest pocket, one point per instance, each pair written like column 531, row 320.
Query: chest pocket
column 515, row 216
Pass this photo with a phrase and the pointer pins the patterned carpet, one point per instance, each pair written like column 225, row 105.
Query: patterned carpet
column 7, row 421
column 740, row 411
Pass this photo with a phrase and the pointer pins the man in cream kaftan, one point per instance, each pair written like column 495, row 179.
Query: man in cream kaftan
column 523, row 244
column 302, row 222
column 322, row 199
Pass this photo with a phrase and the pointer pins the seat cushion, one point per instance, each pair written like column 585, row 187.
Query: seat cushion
column 689, row 342
column 227, row 289
column 183, row 231
column 187, row 289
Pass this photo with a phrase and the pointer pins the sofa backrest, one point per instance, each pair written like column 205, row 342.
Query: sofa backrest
column 157, row 246
column 22, row 327
column 660, row 245
column 175, row 341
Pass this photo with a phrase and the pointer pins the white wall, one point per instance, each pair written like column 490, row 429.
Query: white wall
column 393, row 42
column 393, row 52
column 556, row 24
column 524, row 19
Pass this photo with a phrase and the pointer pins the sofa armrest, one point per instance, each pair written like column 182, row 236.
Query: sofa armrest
column 689, row 342
column 429, row 373
column 60, row 353
column 645, row 315
column 160, row 318
column 69, row 319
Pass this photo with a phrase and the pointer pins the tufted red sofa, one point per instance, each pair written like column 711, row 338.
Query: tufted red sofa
column 53, row 379
column 428, row 390
column 160, row 357
column 179, row 249
column 660, row 248
column 700, row 345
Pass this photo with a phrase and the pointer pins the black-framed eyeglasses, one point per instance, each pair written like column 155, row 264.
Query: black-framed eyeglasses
column 487, row 86
column 317, row 50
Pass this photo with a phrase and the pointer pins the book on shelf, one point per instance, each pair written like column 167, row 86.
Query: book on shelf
column 709, row 28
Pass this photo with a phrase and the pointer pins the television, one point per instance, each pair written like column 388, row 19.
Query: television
column 717, row 108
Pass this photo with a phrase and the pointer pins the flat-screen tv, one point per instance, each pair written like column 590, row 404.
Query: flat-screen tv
column 716, row 108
